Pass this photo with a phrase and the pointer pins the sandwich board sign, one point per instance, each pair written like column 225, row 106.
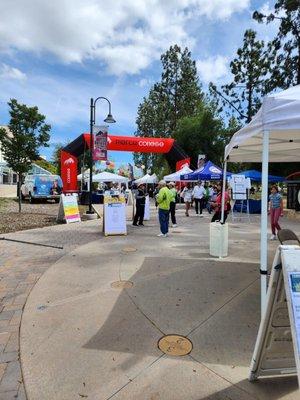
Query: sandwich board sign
column 114, row 220
column 277, row 348
column 68, row 209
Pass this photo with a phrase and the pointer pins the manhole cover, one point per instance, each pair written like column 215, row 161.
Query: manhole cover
column 176, row 231
column 175, row 345
column 122, row 285
column 129, row 249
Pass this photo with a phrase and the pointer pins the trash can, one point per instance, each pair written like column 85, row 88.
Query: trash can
column 218, row 239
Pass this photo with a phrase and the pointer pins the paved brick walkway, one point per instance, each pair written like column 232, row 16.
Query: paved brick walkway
column 21, row 265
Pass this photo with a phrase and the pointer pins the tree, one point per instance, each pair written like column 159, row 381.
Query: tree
column 284, row 49
column 177, row 95
column 249, row 69
column 27, row 132
column 180, row 85
column 202, row 134
column 48, row 166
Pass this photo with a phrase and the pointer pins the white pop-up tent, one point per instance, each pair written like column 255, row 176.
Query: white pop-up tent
column 147, row 179
column 109, row 177
column 273, row 135
column 175, row 177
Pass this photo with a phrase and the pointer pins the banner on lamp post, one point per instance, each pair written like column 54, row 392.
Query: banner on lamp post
column 100, row 143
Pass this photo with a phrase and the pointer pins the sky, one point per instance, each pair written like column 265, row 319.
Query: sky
column 58, row 54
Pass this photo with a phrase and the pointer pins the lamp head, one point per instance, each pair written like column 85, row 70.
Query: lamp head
column 110, row 119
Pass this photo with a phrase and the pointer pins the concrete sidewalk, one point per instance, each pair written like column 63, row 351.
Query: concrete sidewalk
column 83, row 338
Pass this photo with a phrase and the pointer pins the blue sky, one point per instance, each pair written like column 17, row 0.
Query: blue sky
column 57, row 55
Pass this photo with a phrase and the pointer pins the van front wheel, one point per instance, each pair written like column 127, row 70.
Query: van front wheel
column 31, row 199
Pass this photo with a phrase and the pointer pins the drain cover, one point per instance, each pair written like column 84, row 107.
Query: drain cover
column 122, row 285
column 175, row 345
column 129, row 249
column 176, row 231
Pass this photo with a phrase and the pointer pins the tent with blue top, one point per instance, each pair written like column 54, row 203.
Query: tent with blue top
column 256, row 176
column 207, row 172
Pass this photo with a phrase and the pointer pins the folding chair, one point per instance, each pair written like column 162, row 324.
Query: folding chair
column 286, row 234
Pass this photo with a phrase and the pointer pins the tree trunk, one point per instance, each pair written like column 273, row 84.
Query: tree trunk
column 19, row 191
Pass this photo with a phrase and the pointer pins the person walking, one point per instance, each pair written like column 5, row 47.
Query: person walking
column 198, row 196
column 187, row 195
column 275, row 210
column 140, row 206
column 163, row 199
column 217, row 205
column 171, row 186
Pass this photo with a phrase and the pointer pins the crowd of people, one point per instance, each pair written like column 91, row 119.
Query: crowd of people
column 200, row 195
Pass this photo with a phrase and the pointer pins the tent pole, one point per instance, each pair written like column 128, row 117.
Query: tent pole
column 264, row 223
column 223, row 191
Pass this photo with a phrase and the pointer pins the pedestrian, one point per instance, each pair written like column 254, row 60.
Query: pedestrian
column 171, row 186
column 210, row 198
column 275, row 210
column 187, row 195
column 140, row 206
column 163, row 199
column 198, row 196
column 217, row 205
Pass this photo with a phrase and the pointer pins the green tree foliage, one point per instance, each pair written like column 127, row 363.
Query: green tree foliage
column 203, row 133
column 250, row 67
column 55, row 159
column 284, row 49
column 27, row 133
column 177, row 95
column 48, row 166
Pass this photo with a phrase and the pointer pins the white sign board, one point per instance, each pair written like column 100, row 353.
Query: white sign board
column 276, row 350
column 114, row 221
column 68, row 208
column 147, row 209
column 239, row 185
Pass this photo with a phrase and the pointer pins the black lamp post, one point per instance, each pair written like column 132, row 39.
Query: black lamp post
column 110, row 120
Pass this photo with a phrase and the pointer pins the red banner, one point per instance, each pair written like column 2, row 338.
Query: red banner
column 181, row 163
column 139, row 144
column 68, row 172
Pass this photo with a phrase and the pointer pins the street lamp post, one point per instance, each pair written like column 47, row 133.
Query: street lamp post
column 110, row 120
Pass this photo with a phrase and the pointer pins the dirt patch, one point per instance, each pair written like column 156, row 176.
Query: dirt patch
column 32, row 216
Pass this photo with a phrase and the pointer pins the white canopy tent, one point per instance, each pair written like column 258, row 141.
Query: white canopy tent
column 109, row 177
column 175, row 177
column 273, row 135
column 147, row 179
column 104, row 177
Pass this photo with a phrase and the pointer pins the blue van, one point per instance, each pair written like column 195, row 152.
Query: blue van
column 43, row 187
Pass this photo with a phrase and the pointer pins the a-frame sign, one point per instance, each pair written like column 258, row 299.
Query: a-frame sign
column 277, row 348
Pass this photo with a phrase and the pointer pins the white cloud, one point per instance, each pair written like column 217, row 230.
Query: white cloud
column 8, row 72
column 145, row 82
column 125, row 35
column 213, row 68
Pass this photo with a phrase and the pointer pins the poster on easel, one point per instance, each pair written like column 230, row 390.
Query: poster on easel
column 147, row 209
column 114, row 216
column 239, row 185
column 277, row 348
column 68, row 210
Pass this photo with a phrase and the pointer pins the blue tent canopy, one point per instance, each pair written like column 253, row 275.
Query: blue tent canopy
column 208, row 172
column 256, row 176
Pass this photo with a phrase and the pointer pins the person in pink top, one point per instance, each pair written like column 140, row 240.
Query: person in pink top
column 217, row 205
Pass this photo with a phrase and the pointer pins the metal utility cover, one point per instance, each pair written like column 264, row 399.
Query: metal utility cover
column 175, row 345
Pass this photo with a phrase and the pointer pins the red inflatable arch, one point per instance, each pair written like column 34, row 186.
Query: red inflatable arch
column 72, row 151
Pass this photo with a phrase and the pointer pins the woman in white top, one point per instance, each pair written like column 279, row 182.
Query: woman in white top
column 187, row 194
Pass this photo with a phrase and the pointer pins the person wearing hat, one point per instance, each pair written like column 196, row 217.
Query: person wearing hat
column 171, row 186
column 140, row 206
column 163, row 198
